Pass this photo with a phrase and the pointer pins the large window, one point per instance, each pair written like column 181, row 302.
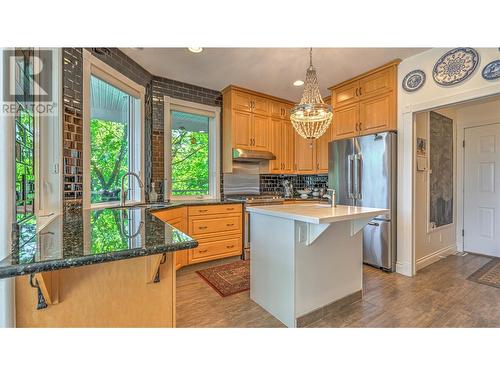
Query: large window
column 192, row 150
column 113, row 137
column 25, row 136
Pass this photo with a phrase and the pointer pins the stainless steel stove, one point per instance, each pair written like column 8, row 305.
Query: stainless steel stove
column 252, row 200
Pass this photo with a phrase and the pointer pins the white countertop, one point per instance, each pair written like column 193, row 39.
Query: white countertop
column 317, row 213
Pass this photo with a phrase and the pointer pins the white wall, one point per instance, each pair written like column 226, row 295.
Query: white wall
column 431, row 244
column 428, row 97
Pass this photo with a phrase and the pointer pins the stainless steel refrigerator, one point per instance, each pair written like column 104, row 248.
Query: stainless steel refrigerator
column 363, row 170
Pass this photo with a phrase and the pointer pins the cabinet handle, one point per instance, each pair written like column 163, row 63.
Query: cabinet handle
column 202, row 210
column 229, row 246
column 360, row 126
column 202, row 227
column 202, row 251
column 360, row 92
column 356, row 91
column 317, row 165
column 229, row 225
column 230, row 208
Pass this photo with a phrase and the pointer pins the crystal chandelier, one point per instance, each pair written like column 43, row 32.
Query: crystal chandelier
column 311, row 117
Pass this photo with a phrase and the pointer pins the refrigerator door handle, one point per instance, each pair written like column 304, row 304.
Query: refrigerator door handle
column 359, row 163
column 350, row 162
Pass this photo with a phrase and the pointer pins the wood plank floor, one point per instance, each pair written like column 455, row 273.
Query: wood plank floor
column 439, row 296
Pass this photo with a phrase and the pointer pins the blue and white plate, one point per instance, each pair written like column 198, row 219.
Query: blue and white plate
column 455, row 66
column 492, row 70
column 414, row 80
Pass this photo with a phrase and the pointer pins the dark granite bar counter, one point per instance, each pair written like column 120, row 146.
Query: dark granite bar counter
column 93, row 236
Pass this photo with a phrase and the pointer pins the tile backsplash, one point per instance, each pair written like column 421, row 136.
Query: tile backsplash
column 273, row 184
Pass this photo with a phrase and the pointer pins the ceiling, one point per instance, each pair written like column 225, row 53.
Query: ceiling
column 268, row 70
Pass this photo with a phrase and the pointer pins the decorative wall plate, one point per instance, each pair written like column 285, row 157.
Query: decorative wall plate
column 414, row 80
column 492, row 70
column 455, row 66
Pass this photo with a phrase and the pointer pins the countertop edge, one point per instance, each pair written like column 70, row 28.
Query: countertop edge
column 90, row 259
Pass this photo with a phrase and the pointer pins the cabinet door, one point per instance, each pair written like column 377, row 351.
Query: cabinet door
column 241, row 129
column 376, row 83
column 345, row 95
column 345, row 121
column 287, row 146
column 241, row 101
column 305, row 157
column 322, row 152
column 260, row 105
column 260, row 132
column 277, row 145
column 180, row 257
column 375, row 114
column 275, row 109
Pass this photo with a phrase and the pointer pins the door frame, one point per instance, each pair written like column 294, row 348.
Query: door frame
column 406, row 262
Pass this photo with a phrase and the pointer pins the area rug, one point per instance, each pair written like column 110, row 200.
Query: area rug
column 489, row 274
column 229, row 278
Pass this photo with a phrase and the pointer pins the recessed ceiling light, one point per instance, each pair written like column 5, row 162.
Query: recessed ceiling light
column 298, row 83
column 195, row 49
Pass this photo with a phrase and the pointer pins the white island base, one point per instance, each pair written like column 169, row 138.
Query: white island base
column 306, row 259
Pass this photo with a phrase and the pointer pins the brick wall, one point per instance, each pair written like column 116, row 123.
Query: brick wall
column 73, row 116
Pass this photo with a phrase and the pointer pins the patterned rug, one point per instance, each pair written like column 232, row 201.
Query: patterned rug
column 489, row 274
column 229, row 278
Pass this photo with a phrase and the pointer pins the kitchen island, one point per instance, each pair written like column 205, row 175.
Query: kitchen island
column 96, row 268
column 306, row 258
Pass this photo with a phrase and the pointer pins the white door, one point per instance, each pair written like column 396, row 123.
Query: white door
column 482, row 190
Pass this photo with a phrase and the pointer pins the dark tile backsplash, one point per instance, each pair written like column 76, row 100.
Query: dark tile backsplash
column 273, row 184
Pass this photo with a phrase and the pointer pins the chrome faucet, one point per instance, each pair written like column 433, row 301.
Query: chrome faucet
column 331, row 197
column 125, row 192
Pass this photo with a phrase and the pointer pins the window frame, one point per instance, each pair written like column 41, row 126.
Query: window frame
column 171, row 104
column 92, row 66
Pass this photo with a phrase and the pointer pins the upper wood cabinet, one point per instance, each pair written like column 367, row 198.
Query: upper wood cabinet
column 282, row 145
column 305, row 155
column 322, row 151
column 366, row 104
column 247, row 123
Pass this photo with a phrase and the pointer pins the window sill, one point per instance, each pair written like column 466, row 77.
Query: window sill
column 99, row 206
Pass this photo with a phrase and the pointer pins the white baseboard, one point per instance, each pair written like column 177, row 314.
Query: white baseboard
column 435, row 256
column 404, row 268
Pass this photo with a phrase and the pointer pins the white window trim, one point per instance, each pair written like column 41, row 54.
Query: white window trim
column 93, row 66
column 170, row 104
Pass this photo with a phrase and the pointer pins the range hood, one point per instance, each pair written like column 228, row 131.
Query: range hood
column 242, row 155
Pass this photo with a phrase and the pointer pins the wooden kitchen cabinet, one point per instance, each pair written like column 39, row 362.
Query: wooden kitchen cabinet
column 366, row 104
column 305, row 155
column 247, row 122
column 377, row 114
column 345, row 122
column 322, row 151
column 242, row 129
column 282, row 145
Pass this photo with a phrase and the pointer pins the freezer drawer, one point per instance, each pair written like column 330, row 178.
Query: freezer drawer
column 377, row 245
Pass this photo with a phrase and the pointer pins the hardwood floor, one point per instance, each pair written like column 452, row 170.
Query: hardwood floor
column 439, row 296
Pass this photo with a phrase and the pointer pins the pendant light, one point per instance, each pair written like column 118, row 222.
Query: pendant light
column 311, row 117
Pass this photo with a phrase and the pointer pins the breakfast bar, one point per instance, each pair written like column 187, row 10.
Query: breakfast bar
column 306, row 259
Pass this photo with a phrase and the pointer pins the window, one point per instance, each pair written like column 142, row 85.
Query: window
column 113, row 136
column 25, row 137
column 192, row 150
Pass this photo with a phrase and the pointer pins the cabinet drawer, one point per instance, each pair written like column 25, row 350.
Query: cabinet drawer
column 216, row 249
column 214, row 209
column 201, row 225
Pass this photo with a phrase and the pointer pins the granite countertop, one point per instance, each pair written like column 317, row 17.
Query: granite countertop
column 91, row 236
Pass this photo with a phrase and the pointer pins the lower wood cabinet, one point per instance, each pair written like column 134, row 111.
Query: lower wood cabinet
column 217, row 228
